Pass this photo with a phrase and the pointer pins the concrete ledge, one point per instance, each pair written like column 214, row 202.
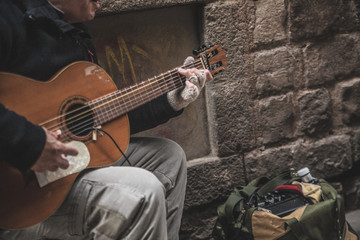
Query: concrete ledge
column 110, row 7
column 354, row 220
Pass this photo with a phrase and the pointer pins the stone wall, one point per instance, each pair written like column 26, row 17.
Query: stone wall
column 289, row 98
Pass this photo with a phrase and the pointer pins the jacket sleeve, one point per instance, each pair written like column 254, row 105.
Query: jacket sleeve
column 151, row 115
column 21, row 142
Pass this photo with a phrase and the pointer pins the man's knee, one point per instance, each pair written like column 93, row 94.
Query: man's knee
column 120, row 203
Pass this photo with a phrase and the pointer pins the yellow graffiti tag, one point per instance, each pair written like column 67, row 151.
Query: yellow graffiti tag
column 119, row 63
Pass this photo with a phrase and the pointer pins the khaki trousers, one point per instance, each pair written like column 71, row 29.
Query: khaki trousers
column 142, row 201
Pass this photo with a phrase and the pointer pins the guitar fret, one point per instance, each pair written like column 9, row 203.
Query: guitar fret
column 142, row 92
column 98, row 113
column 151, row 84
column 131, row 97
column 133, row 101
column 118, row 107
column 123, row 101
column 105, row 111
column 157, row 83
column 165, row 87
column 182, row 79
column 112, row 107
column 96, row 117
column 174, row 79
column 128, row 97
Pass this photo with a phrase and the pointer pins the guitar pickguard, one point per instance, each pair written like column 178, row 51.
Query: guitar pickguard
column 77, row 164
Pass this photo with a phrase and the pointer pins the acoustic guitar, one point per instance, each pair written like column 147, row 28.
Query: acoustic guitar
column 78, row 100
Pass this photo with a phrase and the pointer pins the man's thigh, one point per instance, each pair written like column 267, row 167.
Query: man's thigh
column 102, row 204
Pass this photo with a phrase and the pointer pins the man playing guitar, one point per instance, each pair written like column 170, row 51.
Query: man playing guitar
column 141, row 195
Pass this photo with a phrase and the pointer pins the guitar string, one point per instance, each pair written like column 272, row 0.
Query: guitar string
column 135, row 98
column 105, row 117
column 110, row 95
column 164, row 80
column 84, row 125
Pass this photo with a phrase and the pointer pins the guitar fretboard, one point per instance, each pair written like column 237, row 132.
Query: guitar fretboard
column 118, row 103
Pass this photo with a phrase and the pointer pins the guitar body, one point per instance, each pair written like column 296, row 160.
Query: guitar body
column 23, row 203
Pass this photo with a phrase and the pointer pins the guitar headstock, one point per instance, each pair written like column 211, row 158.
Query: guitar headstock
column 214, row 58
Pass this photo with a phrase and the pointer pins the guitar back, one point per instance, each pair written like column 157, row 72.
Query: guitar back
column 23, row 203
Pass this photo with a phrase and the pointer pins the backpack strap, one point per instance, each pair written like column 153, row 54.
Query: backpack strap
column 227, row 210
column 234, row 199
column 296, row 229
column 283, row 178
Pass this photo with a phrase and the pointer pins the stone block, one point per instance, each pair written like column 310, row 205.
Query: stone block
column 311, row 19
column 315, row 111
column 111, row 7
column 198, row 223
column 276, row 70
column 235, row 32
column 348, row 95
column 232, row 103
column 351, row 185
column 212, row 180
column 269, row 162
column 356, row 146
column 270, row 25
column 331, row 60
column 326, row 158
column 234, row 119
column 277, row 115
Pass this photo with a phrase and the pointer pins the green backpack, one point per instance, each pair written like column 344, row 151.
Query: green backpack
column 267, row 209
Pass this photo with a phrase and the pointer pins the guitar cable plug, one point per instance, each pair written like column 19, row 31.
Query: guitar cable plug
column 112, row 139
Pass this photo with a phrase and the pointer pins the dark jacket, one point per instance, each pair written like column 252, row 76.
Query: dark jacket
column 36, row 42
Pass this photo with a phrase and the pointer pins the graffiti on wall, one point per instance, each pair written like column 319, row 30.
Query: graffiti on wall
column 119, row 60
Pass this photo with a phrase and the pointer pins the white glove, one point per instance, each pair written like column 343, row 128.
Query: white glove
column 195, row 81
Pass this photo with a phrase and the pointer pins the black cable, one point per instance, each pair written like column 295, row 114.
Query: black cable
column 117, row 146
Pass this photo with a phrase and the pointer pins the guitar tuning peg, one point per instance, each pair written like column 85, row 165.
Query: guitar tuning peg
column 195, row 52
column 200, row 49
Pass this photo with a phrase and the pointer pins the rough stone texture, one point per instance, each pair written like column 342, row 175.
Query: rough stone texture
column 198, row 222
column 351, row 186
column 212, row 180
column 209, row 184
column 110, row 7
column 315, row 111
column 328, row 157
column 234, row 125
column 325, row 158
column 332, row 59
column 356, row 146
column 349, row 96
column 232, row 106
column 277, row 70
column 310, row 19
column 269, row 162
column 277, row 114
column 270, row 21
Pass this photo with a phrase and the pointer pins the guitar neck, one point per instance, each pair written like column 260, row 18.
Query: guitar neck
column 123, row 101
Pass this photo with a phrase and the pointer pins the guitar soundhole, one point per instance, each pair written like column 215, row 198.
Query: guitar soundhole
column 79, row 119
